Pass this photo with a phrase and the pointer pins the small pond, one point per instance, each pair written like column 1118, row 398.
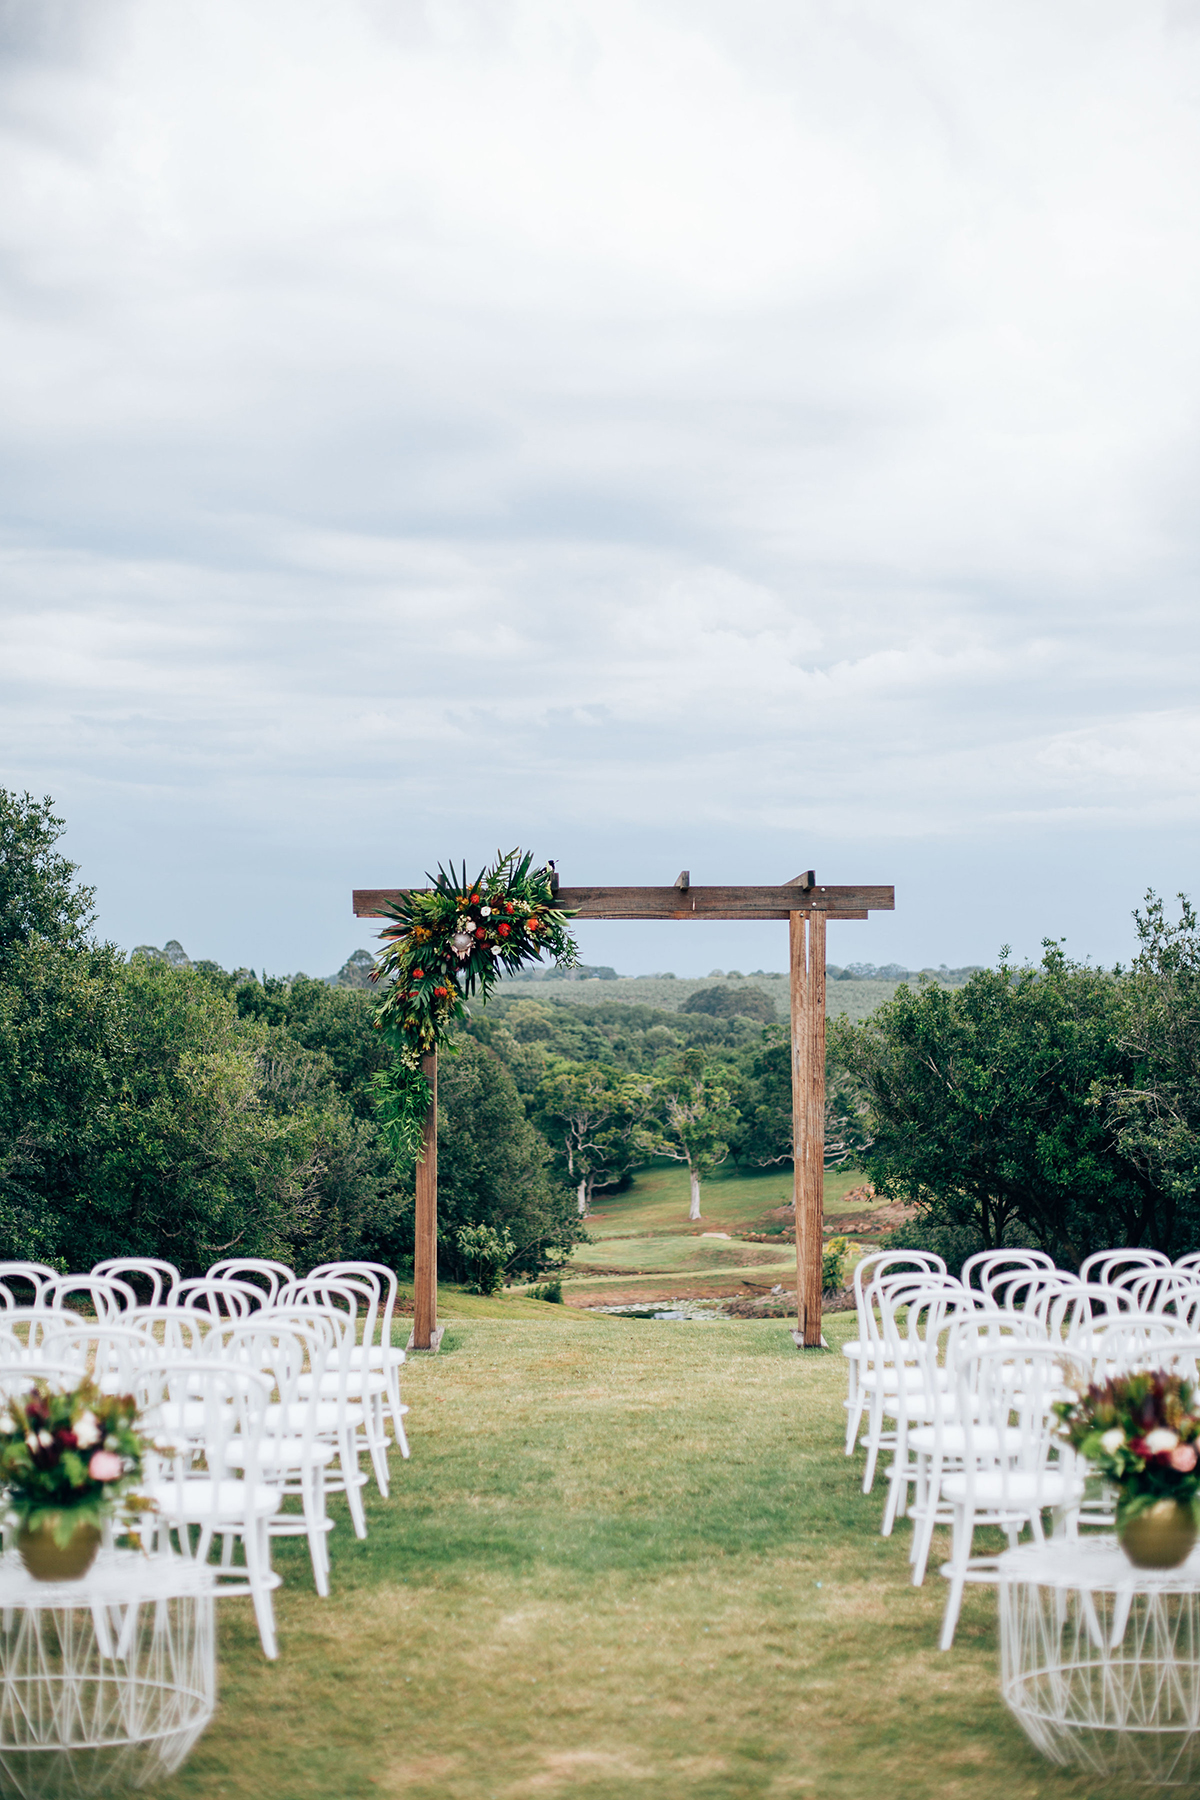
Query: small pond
column 671, row 1311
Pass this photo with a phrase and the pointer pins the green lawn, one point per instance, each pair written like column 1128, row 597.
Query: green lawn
column 625, row 1559
column 644, row 1236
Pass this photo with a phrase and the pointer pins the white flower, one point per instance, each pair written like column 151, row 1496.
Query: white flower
column 485, row 912
column 31, row 1439
column 1112, row 1440
column 7, row 1424
column 87, row 1430
column 1160, row 1439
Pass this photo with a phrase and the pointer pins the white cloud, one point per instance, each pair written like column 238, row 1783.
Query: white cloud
column 774, row 419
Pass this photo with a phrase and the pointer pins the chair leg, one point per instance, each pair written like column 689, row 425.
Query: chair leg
column 874, row 1433
column 964, row 1534
column 348, row 1459
column 257, row 1545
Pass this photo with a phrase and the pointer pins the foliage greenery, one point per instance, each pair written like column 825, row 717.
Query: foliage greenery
column 445, row 943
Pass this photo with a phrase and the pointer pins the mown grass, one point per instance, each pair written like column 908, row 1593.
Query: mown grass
column 657, row 1203
column 625, row 1559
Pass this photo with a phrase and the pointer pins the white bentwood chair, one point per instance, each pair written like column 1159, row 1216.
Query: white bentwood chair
column 1005, row 1480
column 208, row 1418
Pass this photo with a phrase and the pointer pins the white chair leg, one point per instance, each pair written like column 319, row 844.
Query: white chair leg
column 257, row 1545
column 964, row 1534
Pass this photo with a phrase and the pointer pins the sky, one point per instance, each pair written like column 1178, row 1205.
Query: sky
column 733, row 435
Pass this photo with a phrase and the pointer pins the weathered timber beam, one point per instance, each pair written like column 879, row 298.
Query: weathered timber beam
column 671, row 903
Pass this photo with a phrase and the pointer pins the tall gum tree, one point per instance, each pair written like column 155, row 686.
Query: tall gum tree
column 695, row 1119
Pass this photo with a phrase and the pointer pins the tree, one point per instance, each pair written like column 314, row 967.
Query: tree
column 731, row 1003
column 983, row 1101
column 596, row 1115
column 494, row 1167
column 39, row 896
column 1155, row 1111
column 764, row 1136
column 694, row 1118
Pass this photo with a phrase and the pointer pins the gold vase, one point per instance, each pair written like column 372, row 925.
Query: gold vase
column 47, row 1560
column 1161, row 1536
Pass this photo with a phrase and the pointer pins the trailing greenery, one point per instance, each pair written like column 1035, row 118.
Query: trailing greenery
column 444, row 944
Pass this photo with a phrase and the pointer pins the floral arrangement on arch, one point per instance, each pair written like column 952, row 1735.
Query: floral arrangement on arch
column 1142, row 1433
column 66, row 1458
column 444, row 944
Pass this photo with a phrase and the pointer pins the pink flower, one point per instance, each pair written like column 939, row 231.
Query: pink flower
column 1183, row 1458
column 105, row 1466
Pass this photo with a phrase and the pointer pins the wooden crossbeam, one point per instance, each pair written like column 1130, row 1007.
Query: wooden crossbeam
column 747, row 903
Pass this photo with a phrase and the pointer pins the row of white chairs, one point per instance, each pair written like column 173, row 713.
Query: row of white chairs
column 259, row 1388
column 956, row 1378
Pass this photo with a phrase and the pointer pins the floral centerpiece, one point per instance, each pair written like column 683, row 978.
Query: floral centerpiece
column 66, row 1458
column 1142, row 1433
column 445, row 943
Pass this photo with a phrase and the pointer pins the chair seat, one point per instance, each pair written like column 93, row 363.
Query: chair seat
column 331, row 1387
column 276, row 1454
column 1016, row 1489
column 197, row 1499
column 375, row 1360
column 887, row 1378
column 924, row 1438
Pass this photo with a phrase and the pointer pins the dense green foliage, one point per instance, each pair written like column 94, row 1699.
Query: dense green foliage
column 990, row 1109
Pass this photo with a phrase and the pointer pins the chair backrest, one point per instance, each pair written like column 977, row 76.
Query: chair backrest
column 110, row 1351
column 1102, row 1265
column 1116, row 1346
column 221, row 1299
column 14, row 1274
column 898, row 1291
column 386, row 1287
column 108, row 1294
column 366, row 1289
column 1029, row 1290
column 282, row 1352
column 1005, row 1395
column 174, row 1331
column 1075, row 1309
column 17, row 1378
column 29, row 1324
column 869, row 1268
column 194, row 1406
column 258, row 1271
column 987, row 1268
column 161, row 1275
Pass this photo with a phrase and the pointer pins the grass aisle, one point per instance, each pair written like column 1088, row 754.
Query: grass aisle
column 625, row 1558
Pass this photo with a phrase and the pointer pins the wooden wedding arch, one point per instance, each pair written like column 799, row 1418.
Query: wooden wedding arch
column 807, row 908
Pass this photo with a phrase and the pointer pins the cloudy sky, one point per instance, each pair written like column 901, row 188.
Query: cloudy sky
column 740, row 435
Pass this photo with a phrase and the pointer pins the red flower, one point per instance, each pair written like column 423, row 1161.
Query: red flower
column 507, row 907
column 481, row 934
column 418, row 974
column 441, row 992
column 474, row 899
column 503, row 930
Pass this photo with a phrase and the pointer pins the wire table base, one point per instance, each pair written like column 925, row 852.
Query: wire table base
column 107, row 1682
column 1100, row 1661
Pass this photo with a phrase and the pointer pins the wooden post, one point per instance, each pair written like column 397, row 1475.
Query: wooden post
column 807, row 963
column 425, row 1333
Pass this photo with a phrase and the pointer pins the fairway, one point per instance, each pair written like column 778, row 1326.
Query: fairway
column 626, row 1558
column 643, row 1238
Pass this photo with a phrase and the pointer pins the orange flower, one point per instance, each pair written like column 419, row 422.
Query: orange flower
column 441, row 992
column 418, row 974
column 502, row 930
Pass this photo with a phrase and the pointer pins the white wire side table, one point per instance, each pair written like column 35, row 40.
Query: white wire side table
column 1100, row 1661
column 107, row 1682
